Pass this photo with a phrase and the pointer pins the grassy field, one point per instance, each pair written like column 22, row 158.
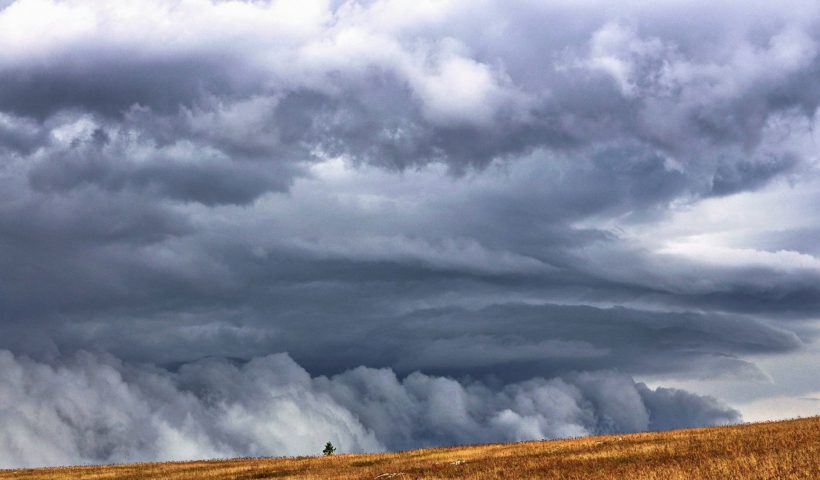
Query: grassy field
column 776, row 450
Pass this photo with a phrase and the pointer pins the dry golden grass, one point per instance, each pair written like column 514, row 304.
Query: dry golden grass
column 775, row 450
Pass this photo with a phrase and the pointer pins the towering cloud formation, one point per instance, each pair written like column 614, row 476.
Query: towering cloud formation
column 486, row 190
column 91, row 408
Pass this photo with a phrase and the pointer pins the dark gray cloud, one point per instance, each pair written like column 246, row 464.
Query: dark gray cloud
column 187, row 173
column 362, row 82
column 507, row 342
column 484, row 191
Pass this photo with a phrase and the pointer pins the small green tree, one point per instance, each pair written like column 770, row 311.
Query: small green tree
column 329, row 449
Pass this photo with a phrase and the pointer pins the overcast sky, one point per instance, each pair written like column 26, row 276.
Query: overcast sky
column 247, row 228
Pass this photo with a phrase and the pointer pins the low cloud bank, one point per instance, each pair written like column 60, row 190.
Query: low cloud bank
column 92, row 408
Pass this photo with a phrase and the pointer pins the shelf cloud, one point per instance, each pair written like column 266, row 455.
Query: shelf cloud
column 555, row 211
column 96, row 409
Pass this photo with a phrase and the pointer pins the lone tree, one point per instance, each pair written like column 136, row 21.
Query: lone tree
column 329, row 449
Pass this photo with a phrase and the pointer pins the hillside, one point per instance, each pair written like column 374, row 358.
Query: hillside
column 776, row 450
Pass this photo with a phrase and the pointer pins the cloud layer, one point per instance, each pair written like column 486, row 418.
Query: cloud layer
column 488, row 191
column 96, row 409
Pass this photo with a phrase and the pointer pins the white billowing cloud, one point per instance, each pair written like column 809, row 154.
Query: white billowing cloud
column 460, row 90
column 464, row 63
column 43, row 29
column 94, row 408
column 615, row 48
column 275, row 45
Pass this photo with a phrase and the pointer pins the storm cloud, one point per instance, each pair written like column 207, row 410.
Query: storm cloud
column 90, row 408
column 406, row 197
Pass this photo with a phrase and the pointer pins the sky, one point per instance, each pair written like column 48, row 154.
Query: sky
column 237, row 228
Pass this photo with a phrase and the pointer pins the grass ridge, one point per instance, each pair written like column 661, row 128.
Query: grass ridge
column 784, row 449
